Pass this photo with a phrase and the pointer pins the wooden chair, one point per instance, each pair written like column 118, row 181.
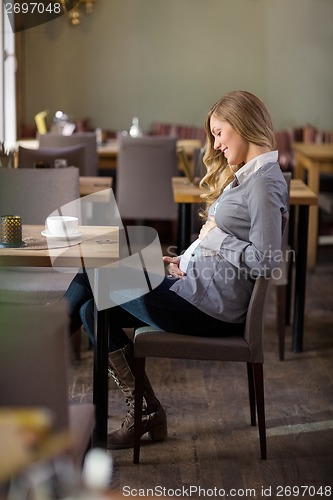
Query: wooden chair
column 34, row 369
column 151, row 342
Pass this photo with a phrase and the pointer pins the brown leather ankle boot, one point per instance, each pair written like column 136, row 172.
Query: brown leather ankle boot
column 154, row 420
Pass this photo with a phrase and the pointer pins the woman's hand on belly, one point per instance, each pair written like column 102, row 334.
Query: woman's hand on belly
column 208, row 226
column 173, row 266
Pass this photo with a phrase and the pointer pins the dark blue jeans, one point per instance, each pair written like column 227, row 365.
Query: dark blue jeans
column 159, row 308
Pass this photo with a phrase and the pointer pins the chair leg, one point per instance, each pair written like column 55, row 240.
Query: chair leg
column 281, row 294
column 259, row 389
column 252, row 395
column 139, row 372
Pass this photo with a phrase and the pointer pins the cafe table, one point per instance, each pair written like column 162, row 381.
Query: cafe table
column 98, row 247
column 301, row 198
column 313, row 159
column 108, row 152
column 108, row 155
column 93, row 185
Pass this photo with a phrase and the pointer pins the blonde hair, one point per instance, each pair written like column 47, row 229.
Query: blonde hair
column 250, row 118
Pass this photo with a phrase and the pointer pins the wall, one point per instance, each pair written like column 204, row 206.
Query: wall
column 170, row 60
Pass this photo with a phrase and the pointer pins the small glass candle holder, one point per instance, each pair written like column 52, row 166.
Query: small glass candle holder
column 11, row 231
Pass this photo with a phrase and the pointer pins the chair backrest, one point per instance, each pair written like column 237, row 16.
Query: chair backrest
column 34, row 358
column 87, row 139
column 144, row 170
column 255, row 317
column 74, row 155
column 281, row 278
column 287, row 177
column 35, row 193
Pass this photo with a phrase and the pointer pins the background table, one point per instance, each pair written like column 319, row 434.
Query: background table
column 92, row 185
column 313, row 159
column 301, row 197
column 108, row 152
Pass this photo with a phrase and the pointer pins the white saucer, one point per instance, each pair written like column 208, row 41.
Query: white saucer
column 73, row 236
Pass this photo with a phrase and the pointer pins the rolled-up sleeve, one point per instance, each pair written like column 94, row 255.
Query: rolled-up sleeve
column 213, row 240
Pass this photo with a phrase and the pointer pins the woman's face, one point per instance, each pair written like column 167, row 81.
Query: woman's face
column 227, row 140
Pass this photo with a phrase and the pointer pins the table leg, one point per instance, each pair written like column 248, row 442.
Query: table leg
column 313, row 183
column 300, row 278
column 100, row 383
column 184, row 226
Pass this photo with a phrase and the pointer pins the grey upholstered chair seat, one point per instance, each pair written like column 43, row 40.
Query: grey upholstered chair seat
column 150, row 342
column 33, row 285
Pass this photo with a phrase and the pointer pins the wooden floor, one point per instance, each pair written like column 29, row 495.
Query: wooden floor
column 211, row 443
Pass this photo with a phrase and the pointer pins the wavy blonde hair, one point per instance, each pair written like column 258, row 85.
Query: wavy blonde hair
column 250, row 118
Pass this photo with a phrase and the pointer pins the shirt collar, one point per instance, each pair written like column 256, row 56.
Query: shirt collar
column 253, row 165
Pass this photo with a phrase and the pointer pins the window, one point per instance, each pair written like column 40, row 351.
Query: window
column 7, row 80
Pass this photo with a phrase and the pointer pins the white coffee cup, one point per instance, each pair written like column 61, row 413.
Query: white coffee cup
column 62, row 225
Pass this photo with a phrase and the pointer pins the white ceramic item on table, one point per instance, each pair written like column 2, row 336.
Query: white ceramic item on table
column 70, row 237
column 62, row 225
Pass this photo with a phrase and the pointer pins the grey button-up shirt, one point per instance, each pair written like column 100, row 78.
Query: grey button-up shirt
column 245, row 244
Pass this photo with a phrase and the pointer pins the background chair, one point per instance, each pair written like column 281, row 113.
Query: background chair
column 151, row 342
column 34, row 368
column 86, row 139
column 144, row 171
column 34, row 194
column 74, row 155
